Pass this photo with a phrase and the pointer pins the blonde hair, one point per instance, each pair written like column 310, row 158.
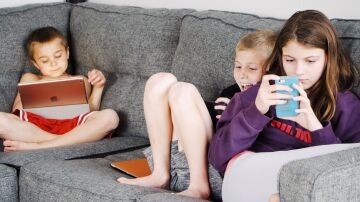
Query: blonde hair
column 263, row 40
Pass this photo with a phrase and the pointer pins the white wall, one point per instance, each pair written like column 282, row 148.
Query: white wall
column 348, row 9
column 11, row 3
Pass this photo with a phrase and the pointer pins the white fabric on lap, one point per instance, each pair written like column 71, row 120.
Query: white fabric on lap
column 254, row 176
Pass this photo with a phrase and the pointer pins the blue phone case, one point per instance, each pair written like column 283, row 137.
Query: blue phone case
column 288, row 109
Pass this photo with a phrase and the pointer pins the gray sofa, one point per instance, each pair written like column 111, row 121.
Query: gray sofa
column 129, row 44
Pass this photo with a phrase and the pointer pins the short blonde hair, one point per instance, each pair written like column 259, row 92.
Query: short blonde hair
column 263, row 40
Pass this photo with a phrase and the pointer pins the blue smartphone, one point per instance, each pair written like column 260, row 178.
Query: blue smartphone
column 289, row 108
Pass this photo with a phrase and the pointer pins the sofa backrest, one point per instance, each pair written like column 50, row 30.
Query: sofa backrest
column 206, row 50
column 128, row 44
column 15, row 25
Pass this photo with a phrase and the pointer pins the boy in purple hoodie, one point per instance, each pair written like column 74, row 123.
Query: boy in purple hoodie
column 306, row 47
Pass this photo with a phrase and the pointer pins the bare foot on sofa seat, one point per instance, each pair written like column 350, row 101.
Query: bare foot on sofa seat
column 153, row 180
column 12, row 145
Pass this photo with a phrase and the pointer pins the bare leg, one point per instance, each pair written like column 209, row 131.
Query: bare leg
column 12, row 128
column 159, row 127
column 97, row 126
column 193, row 126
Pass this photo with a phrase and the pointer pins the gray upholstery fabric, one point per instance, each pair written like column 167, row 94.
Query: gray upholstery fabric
column 76, row 180
column 165, row 197
column 129, row 44
column 133, row 154
column 331, row 177
column 8, row 184
column 206, row 50
column 349, row 33
column 21, row 158
column 16, row 23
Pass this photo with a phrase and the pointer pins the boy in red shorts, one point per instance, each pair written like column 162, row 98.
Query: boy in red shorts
column 49, row 52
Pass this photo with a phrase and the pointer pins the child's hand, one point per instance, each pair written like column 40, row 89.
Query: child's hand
column 96, row 78
column 267, row 94
column 306, row 116
column 220, row 105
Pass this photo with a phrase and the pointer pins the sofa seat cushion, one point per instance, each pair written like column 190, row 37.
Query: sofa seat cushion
column 100, row 148
column 166, row 197
column 128, row 44
column 8, row 184
column 16, row 23
column 331, row 177
column 80, row 180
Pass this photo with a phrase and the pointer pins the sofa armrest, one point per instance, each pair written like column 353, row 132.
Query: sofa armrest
column 105, row 146
column 330, row 177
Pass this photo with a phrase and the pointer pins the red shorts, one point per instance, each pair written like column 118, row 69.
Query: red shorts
column 54, row 126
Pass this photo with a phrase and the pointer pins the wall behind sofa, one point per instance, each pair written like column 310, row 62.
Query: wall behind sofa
column 347, row 9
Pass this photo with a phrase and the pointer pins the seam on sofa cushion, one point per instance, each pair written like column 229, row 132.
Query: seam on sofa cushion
column 36, row 6
column 122, row 13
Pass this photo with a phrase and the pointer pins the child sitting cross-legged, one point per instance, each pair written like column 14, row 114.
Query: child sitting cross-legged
column 49, row 52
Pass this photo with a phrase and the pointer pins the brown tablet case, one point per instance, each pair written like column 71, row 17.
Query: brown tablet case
column 134, row 167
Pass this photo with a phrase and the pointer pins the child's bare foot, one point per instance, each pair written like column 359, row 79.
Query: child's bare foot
column 12, row 145
column 196, row 193
column 152, row 180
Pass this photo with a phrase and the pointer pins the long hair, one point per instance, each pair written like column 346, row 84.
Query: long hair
column 313, row 29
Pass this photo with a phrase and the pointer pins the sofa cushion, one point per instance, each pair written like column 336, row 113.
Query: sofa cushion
column 83, row 180
column 331, row 177
column 349, row 33
column 165, row 197
column 100, row 148
column 16, row 23
column 128, row 44
column 206, row 50
column 8, row 184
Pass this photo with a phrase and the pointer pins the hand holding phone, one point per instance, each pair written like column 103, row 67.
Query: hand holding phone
column 288, row 109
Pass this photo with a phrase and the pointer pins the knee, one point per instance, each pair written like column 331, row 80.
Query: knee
column 181, row 94
column 110, row 118
column 4, row 122
column 159, row 83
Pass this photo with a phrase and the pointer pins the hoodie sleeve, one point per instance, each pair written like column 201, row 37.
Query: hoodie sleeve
column 237, row 129
column 344, row 127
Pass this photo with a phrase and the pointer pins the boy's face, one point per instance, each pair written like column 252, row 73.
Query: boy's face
column 51, row 58
column 248, row 68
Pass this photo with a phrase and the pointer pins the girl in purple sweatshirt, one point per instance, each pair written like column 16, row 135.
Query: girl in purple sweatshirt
column 307, row 47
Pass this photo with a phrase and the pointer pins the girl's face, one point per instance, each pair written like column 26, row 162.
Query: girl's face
column 305, row 62
column 248, row 67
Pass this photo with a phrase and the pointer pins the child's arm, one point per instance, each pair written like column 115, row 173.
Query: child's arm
column 24, row 78
column 237, row 129
column 97, row 79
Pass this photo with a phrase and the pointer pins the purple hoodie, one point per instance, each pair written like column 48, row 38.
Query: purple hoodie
column 243, row 127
